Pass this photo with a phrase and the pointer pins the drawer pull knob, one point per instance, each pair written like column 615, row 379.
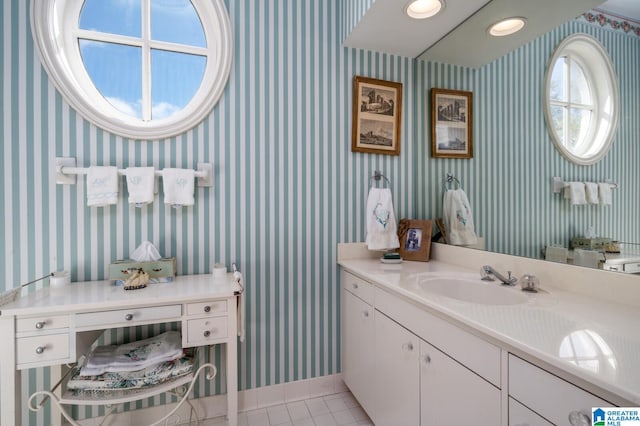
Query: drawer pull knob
column 128, row 317
column 207, row 333
column 427, row 359
column 207, row 308
column 576, row 418
column 40, row 350
column 40, row 324
column 355, row 286
column 365, row 314
column 407, row 347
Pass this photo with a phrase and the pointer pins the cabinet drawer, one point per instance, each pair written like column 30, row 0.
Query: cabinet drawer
column 206, row 330
column 549, row 396
column 40, row 349
column 43, row 323
column 519, row 415
column 207, row 308
column 359, row 287
column 132, row 316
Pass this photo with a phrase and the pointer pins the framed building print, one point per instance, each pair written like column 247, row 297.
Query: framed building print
column 377, row 112
column 451, row 123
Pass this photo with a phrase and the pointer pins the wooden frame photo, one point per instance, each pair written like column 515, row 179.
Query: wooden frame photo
column 451, row 123
column 377, row 112
column 415, row 239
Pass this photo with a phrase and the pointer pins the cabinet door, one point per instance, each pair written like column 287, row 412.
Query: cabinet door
column 358, row 367
column 397, row 379
column 451, row 394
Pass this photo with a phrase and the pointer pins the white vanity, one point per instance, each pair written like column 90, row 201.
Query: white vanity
column 413, row 356
column 54, row 326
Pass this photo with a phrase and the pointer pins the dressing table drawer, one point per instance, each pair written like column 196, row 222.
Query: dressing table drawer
column 214, row 307
column 204, row 330
column 42, row 350
column 131, row 316
column 42, row 324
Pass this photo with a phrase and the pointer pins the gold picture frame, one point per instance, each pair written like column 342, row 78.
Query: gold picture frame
column 415, row 239
column 451, row 123
column 377, row 113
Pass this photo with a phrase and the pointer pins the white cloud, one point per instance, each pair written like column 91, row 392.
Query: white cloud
column 132, row 109
column 164, row 110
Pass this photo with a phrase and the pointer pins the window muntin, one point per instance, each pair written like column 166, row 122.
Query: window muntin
column 71, row 40
column 581, row 99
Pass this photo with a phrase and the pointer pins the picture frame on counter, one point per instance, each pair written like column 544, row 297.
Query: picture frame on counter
column 377, row 115
column 451, row 123
column 415, row 239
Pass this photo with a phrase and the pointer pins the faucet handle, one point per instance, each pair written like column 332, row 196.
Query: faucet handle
column 485, row 273
column 512, row 278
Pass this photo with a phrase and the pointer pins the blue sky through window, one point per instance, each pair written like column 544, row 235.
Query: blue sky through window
column 116, row 68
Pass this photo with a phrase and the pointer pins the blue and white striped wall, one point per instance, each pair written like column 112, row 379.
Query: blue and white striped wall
column 287, row 188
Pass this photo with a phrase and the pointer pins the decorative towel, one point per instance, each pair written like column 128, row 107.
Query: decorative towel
column 575, row 191
column 604, row 190
column 458, row 220
column 102, row 186
column 241, row 305
column 591, row 189
column 133, row 356
column 382, row 229
column 140, row 182
column 178, row 186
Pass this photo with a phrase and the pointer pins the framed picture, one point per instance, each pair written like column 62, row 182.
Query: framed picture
column 451, row 119
column 377, row 110
column 415, row 239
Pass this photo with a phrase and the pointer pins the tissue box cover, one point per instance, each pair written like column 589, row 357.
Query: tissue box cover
column 162, row 268
column 589, row 243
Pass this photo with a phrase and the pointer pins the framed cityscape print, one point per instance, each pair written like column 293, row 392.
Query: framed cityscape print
column 451, row 123
column 377, row 112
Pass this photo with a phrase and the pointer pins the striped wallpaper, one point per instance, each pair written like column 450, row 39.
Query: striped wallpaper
column 352, row 12
column 287, row 188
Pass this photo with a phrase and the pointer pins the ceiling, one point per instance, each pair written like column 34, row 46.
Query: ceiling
column 629, row 9
column 458, row 34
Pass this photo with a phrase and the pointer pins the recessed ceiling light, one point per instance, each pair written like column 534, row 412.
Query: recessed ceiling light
column 422, row 9
column 507, row 26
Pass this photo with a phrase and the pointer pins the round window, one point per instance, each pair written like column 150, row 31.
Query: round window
column 143, row 69
column 581, row 99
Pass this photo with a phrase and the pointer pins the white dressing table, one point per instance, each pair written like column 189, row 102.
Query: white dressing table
column 54, row 326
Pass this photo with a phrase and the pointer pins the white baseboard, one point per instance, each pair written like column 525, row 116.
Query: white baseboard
column 216, row 405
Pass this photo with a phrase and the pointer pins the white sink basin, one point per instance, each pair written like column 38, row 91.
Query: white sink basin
column 469, row 289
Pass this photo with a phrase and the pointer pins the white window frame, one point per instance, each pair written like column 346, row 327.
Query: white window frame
column 55, row 30
column 594, row 60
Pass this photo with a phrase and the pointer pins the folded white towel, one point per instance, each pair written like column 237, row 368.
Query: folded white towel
column 458, row 219
column 575, row 191
column 102, row 186
column 382, row 229
column 591, row 189
column 241, row 306
column 178, row 186
column 604, row 190
column 140, row 181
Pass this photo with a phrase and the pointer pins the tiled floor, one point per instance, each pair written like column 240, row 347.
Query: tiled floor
column 332, row 410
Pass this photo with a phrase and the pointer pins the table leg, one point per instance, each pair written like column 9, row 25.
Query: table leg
column 10, row 383
column 232, row 367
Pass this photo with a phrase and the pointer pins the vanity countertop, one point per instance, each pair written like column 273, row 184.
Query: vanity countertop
column 580, row 336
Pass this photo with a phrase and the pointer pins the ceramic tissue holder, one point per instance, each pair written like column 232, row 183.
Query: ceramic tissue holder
column 147, row 259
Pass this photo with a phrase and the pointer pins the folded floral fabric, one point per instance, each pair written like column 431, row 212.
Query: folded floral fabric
column 153, row 375
column 135, row 355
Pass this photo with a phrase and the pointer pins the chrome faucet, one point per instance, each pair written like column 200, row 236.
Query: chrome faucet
column 487, row 271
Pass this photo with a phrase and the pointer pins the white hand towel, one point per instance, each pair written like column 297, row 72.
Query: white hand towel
column 591, row 189
column 575, row 191
column 604, row 190
column 241, row 305
column 458, row 219
column 382, row 229
column 102, row 186
column 140, row 182
column 178, row 186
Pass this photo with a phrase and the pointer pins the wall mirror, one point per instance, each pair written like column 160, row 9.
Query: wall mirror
column 124, row 67
column 581, row 99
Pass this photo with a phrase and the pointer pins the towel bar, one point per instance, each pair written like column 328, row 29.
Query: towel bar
column 66, row 172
